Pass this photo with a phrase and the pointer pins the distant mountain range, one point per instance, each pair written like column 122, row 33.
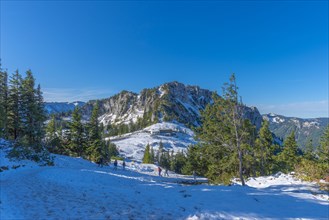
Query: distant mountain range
column 176, row 102
column 62, row 107
column 305, row 129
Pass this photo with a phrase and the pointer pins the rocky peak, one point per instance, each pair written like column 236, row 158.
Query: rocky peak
column 171, row 101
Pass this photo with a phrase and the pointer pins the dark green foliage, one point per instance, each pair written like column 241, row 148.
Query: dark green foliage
column 177, row 162
column 315, row 165
column 289, row 158
column 3, row 103
column 152, row 155
column 22, row 116
column 26, row 112
column 97, row 148
column 196, row 161
column 112, row 151
column 147, row 155
column 77, row 135
column 323, row 152
column 53, row 137
column 226, row 135
column 264, row 151
column 14, row 106
column 309, row 152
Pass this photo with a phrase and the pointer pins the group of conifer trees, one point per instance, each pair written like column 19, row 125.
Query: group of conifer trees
column 229, row 146
column 164, row 158
column 81, row 139
column 22, row 112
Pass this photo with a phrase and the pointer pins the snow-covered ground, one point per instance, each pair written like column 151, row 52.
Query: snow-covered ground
column 174, row 137
column 77, row 189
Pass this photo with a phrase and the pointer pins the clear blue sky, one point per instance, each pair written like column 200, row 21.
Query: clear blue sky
column 80, row 50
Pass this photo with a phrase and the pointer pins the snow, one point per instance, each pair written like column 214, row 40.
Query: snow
column 192, row 109
column 162, row 91
column 131, row 116
column 77, row 189
column 132, row 145
column 296, row 122
column 277, row 120
column 310, row 124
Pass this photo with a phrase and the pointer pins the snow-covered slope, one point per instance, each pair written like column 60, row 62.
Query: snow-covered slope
column 78, row 189
column 175, row 137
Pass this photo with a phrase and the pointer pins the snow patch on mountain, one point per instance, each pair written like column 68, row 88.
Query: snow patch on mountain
column 310, row 124
column 274, row 118
column 162, row 91
column 174, row 136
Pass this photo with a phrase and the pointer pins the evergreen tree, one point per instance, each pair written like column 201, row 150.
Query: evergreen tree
column 3, row 103
column 95, row 143
column 309, row 153
column 264, row 149
column 29, row 109
column 224, row 133
column 15, row 106
column 195, row 161
column 323, row 151
column 147, row 155
column 53, row 139
column 178, row 162
column 40, row 114
column 51, row 128
column 77, row 134
column 152, row 155
column 289, row 156
column 113, row 151
column 165, row 160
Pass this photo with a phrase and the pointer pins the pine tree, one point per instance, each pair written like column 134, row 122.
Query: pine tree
column 3, row 103
column 95, row 142
column 323, row 150
column 32, row 114
column 77, row 134
column 165, row 160
column 178, row 162
column 152, row 155
column 147, row 155
column 53, row 139
column 195, row 161
column 264, row 149
column 289, row 156
column 224, row 133
column 309, row 153
column 112, row 150
column 40, row 116
column 15, row 106
column 51, row 128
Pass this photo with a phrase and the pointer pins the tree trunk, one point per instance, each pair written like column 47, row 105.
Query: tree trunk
column 240, row 168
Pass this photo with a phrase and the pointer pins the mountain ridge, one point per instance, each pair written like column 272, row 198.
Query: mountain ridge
column 305, row 129
column 177, row 102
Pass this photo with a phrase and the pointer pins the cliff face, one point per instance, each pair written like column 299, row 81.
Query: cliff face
column 172, row 101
